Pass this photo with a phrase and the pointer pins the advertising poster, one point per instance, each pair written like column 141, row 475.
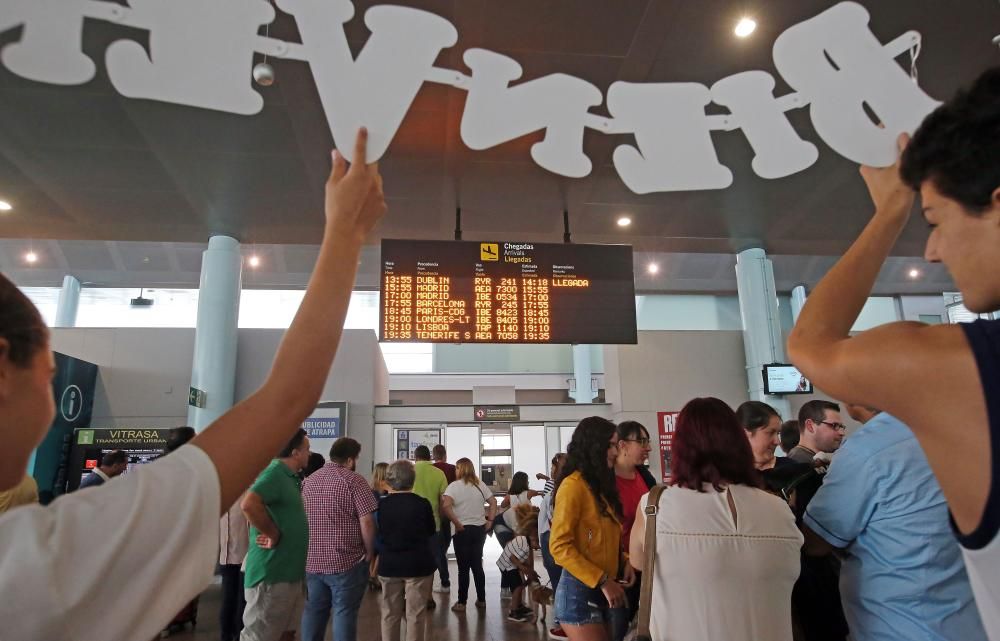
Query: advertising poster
column 408, row 440
column 73, row 388
column 141, row 444
column 665, row 429
column 325, row 425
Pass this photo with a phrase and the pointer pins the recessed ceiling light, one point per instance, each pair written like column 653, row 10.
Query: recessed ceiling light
column 745, row 27
column 31, row 257
column 653, row 268
column 914, row 273
column 624, row 221
column 5, row 206
column 254, row 261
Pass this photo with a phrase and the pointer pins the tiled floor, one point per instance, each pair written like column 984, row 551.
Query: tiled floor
column 443, row 624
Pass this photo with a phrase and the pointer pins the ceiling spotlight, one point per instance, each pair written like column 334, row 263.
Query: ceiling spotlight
column 31, row 258
column 5, row 206
column 653, row 268
column 914, row 273
column 624, row 221
column 745, row 27
column 253, row 261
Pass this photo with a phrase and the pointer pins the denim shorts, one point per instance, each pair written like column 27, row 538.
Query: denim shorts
column 577, row 604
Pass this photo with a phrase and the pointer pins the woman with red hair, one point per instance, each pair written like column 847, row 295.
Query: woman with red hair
column 727, row 552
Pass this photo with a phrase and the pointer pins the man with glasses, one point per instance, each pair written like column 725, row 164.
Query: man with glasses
column 902, row 575
column 821, row 430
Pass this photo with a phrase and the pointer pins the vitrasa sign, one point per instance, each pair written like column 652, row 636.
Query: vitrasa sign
column 201, row 54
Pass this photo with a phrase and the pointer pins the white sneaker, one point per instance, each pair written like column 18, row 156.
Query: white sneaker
column 443, row 589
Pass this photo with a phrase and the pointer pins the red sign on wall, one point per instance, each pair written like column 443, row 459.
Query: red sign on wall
column 665, row 422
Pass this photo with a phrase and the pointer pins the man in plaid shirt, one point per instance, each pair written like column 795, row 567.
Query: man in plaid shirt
column 340, row 508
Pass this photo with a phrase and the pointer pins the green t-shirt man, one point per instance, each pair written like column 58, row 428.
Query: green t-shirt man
column 279, row 488
column 430, row 484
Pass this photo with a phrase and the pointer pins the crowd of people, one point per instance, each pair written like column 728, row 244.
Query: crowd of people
column 891, row 533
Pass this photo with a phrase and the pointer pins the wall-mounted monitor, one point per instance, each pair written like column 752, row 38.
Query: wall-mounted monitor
column 785, row 379
column 506, row 292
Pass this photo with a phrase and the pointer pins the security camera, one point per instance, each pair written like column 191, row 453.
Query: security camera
column 263, row 73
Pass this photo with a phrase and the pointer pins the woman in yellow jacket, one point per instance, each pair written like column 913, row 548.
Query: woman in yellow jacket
column 586, row 536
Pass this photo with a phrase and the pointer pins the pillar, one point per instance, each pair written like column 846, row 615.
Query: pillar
column 582, row 372
column 214, row 366
column 762, row 338
column 798, row 300
column 69, row 302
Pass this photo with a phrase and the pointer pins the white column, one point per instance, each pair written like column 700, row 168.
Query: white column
column 798, row 300
column 762, row 338
column 582, row 372
column 214, row 368
column 69, row 302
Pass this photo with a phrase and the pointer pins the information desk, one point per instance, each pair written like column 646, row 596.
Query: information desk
column 506, row 292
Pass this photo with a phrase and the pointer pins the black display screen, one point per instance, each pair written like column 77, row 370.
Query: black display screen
column 506, row 292
column 785, row 379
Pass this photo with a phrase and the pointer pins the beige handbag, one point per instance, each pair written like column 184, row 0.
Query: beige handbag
column 649, row 562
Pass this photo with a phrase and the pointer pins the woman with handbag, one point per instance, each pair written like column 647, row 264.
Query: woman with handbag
column 724, row 553
column 465, row 504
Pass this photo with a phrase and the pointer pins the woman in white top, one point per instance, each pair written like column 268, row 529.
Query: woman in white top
column 155, row 533
column 518, row 494
column 727, row 552
column 464, row 504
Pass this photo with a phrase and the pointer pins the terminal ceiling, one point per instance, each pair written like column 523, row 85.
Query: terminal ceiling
column 85, row 163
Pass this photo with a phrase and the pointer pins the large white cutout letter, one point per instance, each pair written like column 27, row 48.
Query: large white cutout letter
column 50, row 49
column 378, row 88
column 558, row 103
column 838, row 65
column 675, row 148
column 750, row 98
column 200, row 53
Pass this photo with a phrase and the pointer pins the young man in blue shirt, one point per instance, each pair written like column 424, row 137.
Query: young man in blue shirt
column 943, row 381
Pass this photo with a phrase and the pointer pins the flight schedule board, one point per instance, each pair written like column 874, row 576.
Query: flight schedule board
column 506, row 292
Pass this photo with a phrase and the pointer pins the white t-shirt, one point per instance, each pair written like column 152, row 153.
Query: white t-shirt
column 469, row 501
column 519, row 548
column 116, row 561
column 510, row 515
column 983, row 567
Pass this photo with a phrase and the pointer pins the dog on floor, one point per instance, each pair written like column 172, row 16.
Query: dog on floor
column 539, row 599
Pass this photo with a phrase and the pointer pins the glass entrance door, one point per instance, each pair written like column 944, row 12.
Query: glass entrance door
column 495, row 441
column 528, row 453
column 462, row 441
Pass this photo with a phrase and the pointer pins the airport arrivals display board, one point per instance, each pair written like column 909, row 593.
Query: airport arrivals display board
column 506, row 292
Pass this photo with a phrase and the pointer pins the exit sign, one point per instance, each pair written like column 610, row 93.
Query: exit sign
column 197, row 397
